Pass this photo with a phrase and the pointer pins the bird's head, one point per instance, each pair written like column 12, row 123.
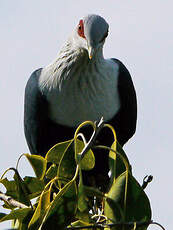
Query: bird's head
column 90, row 33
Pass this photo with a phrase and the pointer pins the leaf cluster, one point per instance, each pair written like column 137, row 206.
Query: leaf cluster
column 56, row 197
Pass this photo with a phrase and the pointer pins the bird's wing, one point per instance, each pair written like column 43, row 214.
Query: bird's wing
column 127, row 117
column 35, row 115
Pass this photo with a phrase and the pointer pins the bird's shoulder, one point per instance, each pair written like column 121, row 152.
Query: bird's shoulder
column 32, row 86
column 123, row 72
column 34, row 79
column 33, row 94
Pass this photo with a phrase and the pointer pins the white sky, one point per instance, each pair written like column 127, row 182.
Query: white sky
column 141, row 35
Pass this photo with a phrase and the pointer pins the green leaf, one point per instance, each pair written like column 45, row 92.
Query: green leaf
column 56, row 153
column 34, row 186
column 16, row 189
column 40, row 211
column 62, row 209
column 137, row 206
column 116, row 164
column 10, row 186
column 67, row 166
column 83, row 216
column 80, row 223
column 82, row 198
column 62, row 155
column 22, row 190
column 88, row 161
column 52, row 171
column 38, row 164
column 23, row 224
column 19, row 214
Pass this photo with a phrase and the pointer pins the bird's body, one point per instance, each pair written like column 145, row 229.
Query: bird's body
column 86, row 90
column 76, row 87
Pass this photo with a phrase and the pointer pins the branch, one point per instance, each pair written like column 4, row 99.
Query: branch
column 120, row 224
column 20, row 180
column 9, row 200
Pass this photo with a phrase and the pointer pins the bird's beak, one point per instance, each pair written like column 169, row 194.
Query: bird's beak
column 91, row 51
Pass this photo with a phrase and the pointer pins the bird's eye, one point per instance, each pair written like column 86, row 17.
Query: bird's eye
column 81, row 29
column 105, row 35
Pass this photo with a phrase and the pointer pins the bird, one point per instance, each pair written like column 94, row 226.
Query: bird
column 79, row 85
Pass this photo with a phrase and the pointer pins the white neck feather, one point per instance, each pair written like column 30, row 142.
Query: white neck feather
column 70, row 61
column 86, row 89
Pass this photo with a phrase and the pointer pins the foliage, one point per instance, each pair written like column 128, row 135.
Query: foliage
column 62, row 201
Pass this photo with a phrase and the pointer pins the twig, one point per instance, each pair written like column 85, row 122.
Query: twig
column 147, row 179
column 90, row 143
column 83, row 137
column 102, row 226
column 21, row 183
column 11, row 201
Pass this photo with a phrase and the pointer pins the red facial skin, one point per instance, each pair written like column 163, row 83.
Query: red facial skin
column 81, row 29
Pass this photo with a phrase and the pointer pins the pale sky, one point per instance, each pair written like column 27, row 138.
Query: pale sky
column 141, row 36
